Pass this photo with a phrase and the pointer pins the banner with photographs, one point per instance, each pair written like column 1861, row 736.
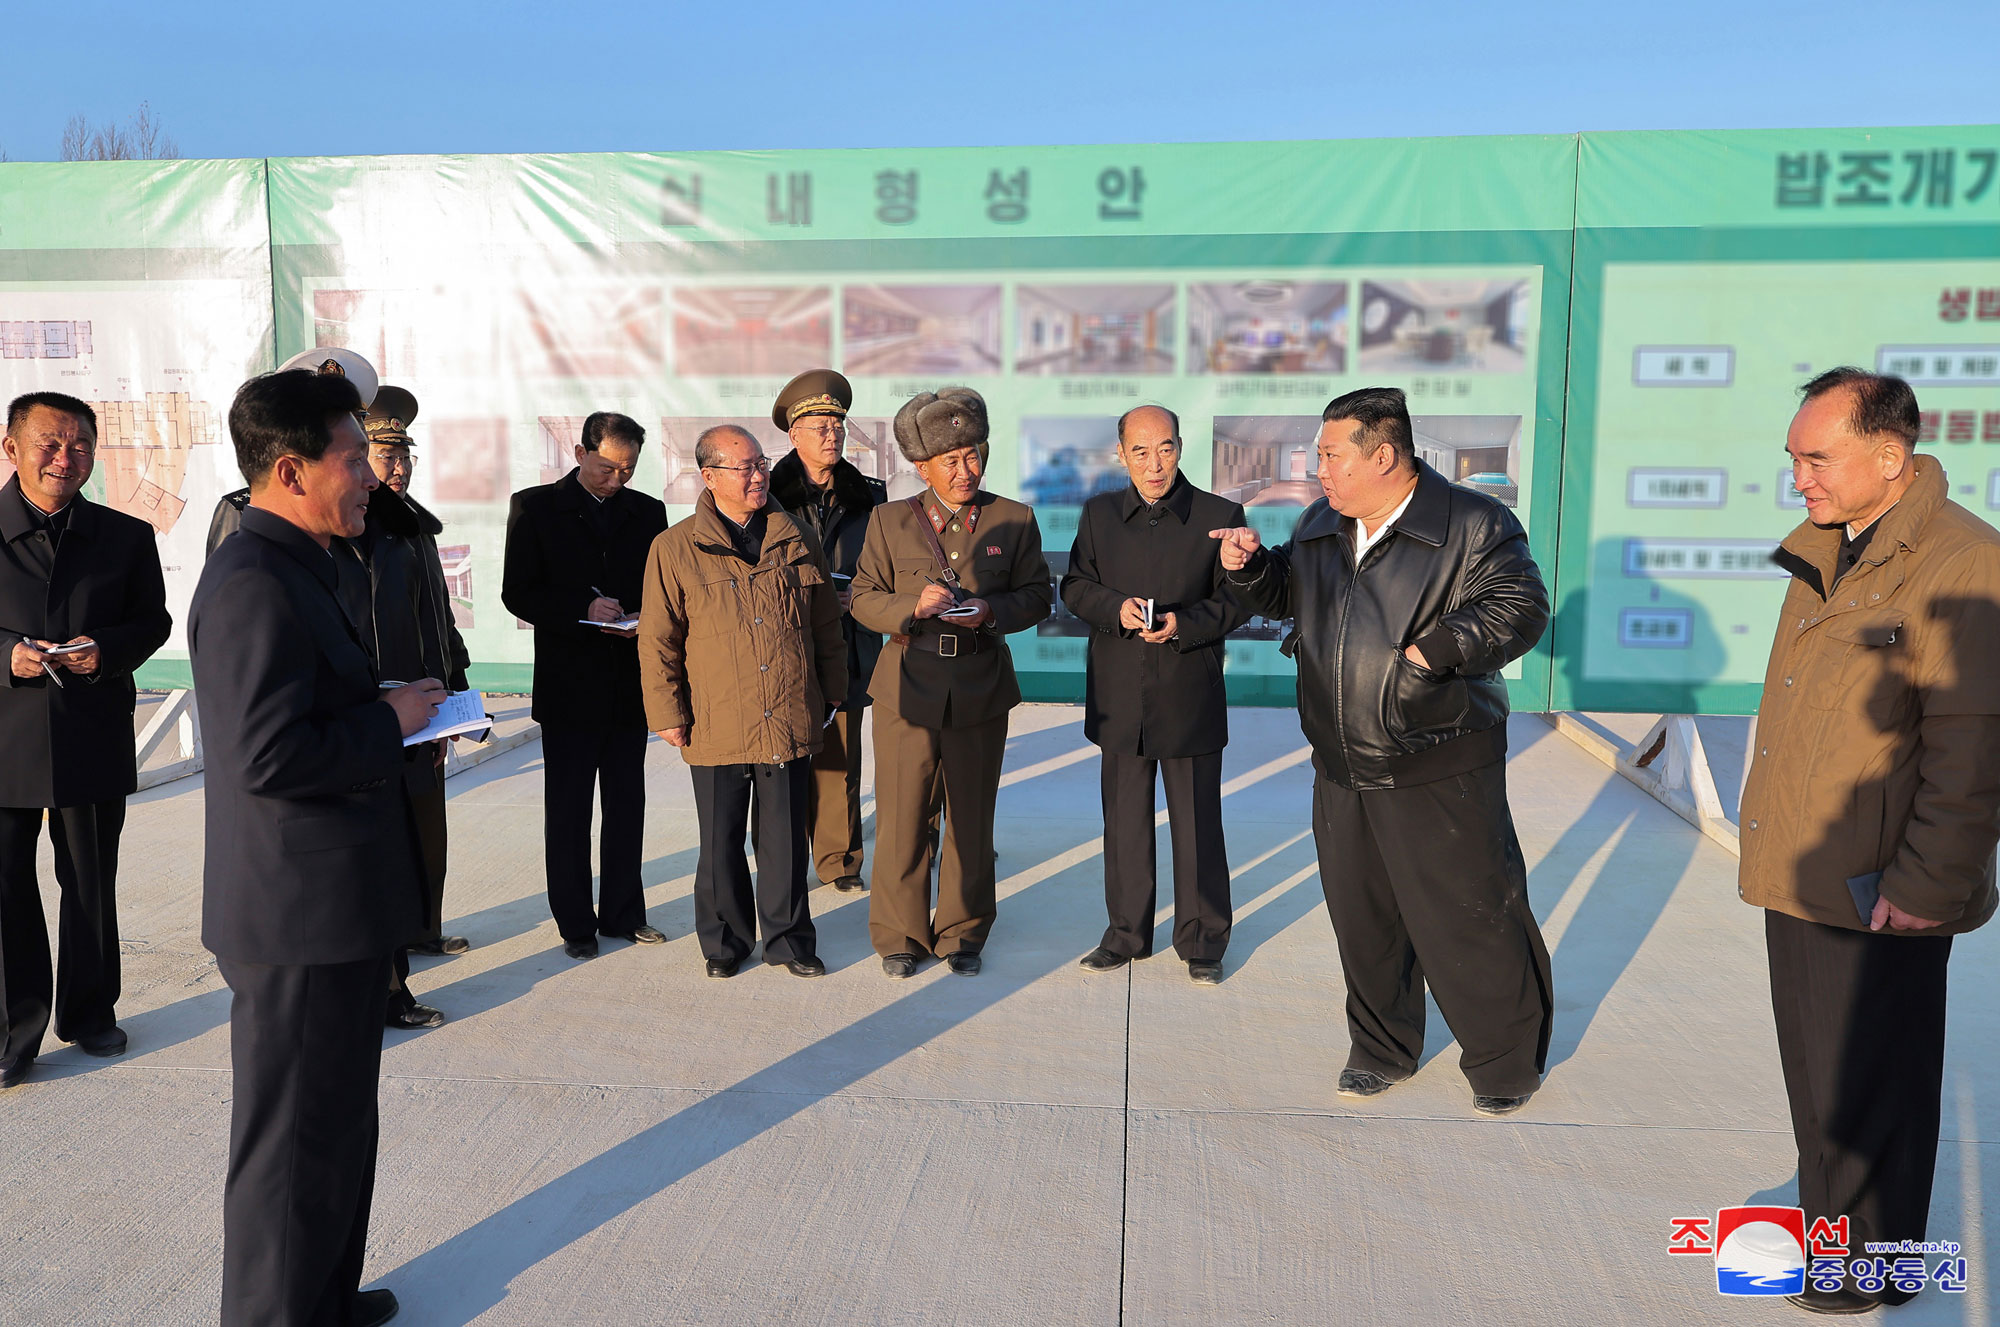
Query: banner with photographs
column 144, row 289
column 1242, row 286
column 1716, row 273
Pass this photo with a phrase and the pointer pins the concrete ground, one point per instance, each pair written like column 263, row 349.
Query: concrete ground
column 626, row 1141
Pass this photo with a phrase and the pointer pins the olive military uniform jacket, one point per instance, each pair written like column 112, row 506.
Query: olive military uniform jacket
column 746, row 658
column 995, row 547
column 1878, row 738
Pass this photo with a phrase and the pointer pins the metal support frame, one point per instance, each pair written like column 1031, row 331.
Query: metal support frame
column 178, row 719
column 1669, row 763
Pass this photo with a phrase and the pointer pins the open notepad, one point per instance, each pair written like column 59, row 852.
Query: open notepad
column 622, row 624
column 462, row 712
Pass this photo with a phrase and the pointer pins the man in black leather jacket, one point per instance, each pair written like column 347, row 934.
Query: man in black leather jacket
column 1410, row 595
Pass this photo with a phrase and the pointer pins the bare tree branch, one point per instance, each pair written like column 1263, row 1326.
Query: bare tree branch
column 144, row 140
column 75, row 138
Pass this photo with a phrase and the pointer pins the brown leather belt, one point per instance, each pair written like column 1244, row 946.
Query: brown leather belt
column 944, row 644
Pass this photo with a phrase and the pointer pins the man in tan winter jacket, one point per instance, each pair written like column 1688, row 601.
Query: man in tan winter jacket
column 742, row 661
column 1872, row 808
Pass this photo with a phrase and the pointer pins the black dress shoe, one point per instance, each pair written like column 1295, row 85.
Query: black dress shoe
column 14, row 1070
column 109, row 1042
column 372, row 1308
column 441, row 945
column 1362, row 1083
column 641, row 935
column 965, row 963
column 722, row 968
column 1101, row 959
column 1205, row 971
column 1841, row 1301
column 850, row 884
column 805, row 967
column 1499, row 1105
column 581, row 948
column 899, row 966
column 414, row 1015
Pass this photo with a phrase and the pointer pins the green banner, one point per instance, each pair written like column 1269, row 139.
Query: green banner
column 1715, row 273
column 144, row 288
column 1242, row 285
column 1605, row 331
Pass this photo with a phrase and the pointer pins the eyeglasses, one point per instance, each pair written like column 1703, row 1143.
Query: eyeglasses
column 402, row 462
column 821, row 431
column 760, row 465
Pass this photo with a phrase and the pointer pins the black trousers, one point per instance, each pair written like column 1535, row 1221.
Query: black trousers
column 1860, row 1019
column 82, row 986
column 725, row 918
column 1201, row 862
column 306, row 1046
column 1427, row 884
column 575, row 763
column 423, row 781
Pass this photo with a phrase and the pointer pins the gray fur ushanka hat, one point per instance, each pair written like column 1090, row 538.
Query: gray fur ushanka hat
column 933, row 423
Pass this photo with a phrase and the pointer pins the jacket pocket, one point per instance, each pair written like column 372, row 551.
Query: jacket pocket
column 912, row 574
column 713, row 601
column 1863, row 668
column 796, row 583
column 1425, row 707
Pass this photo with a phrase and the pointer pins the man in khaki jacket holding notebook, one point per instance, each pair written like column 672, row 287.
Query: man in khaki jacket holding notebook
column 946, row 576
column 742, row 663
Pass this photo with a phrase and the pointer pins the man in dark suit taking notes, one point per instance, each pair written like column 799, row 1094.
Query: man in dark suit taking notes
column 312, row 878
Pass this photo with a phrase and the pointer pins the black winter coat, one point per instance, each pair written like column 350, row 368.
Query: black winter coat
column 557, row 561
column 842, row 527
column 1454, row 577
column 311, row 854
column 73, row 745
column 1159, row 701
column 408, row 627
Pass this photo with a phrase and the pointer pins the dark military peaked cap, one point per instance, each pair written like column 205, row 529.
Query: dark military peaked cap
column 388, row 420
column 814, row 392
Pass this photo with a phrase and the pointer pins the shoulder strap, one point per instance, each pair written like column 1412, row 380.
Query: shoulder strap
column 930, row 537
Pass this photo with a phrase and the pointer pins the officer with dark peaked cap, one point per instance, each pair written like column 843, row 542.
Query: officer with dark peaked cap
column 820, row 488
column 943, row 685
column 408, row 626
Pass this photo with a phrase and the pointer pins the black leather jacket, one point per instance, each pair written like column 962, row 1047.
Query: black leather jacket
column 1453, row 576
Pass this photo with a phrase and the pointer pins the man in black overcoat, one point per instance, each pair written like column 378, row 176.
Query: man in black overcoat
column 82, row 605
column 1154, row 699
column 576, row 555
column 311, row 879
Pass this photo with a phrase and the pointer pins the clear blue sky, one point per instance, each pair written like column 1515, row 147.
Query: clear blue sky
column 357, row 76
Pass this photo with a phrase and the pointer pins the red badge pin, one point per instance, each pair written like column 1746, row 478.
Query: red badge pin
column 993, row 550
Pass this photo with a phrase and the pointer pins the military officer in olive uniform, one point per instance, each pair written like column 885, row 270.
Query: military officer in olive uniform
column 947, row 575
column 823, row 491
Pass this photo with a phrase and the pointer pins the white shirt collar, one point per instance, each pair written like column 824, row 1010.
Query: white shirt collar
column 1363, row 541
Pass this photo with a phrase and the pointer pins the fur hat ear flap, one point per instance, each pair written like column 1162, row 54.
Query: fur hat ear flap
column 933, row 423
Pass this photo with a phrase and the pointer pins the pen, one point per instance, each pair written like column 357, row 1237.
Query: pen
column 45, row 664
